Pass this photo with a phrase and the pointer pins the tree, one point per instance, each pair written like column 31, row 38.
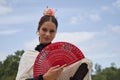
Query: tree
column 9, row 66
column 1, row 68
column 109, row 73
column 97, row 68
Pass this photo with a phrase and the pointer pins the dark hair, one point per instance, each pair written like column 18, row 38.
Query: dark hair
column 47, row 18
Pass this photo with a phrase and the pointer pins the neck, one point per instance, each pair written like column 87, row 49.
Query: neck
column 41, row 46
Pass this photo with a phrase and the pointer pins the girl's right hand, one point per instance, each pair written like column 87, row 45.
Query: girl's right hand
column 53, row 73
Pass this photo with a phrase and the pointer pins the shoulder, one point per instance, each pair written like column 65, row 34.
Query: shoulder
column 29, row 56
column 30, row 53
column 26, row 63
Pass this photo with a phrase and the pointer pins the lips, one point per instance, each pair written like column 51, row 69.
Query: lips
column 47, row 39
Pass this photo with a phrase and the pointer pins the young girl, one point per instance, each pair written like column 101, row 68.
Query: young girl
column 47, row 29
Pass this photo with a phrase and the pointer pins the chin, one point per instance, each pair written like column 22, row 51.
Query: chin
column 47, row 42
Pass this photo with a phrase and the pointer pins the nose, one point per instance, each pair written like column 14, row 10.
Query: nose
column 48, row 33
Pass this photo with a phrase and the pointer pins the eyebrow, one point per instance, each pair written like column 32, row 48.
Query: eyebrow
column 51, row 30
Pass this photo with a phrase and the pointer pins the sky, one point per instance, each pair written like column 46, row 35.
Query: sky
column 91, row 25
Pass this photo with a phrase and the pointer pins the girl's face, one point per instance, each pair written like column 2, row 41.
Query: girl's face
column 47, row 32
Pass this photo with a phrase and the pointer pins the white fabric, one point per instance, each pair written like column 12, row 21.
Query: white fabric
column 25, row 69
column 70, row 70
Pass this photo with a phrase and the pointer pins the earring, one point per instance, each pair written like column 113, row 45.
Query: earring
column 38, row 33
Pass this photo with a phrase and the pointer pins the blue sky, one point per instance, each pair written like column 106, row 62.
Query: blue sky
column 92, row 25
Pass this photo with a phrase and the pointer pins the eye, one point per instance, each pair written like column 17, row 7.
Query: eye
column 52, row 31
column 44, row 29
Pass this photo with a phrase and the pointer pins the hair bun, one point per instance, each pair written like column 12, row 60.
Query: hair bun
column 49, row 12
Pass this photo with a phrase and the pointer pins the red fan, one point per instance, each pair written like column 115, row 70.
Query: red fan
column 58, row 53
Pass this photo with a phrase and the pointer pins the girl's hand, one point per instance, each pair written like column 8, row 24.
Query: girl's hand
column 53, row 73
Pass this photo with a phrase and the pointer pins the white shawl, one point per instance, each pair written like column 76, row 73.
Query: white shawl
column 25, row 69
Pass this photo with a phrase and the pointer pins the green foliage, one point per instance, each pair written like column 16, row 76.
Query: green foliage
column 9, row 67
column 98, row 68
column 111, row 73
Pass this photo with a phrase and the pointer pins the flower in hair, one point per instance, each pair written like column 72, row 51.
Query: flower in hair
column 49, row 12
